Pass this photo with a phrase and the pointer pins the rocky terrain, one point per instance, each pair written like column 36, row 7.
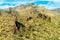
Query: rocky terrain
column 29, row 22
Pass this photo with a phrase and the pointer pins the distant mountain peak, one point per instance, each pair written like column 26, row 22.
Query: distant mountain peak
column 57, row 10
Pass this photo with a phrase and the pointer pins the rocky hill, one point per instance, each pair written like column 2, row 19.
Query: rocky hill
column 29, row 22
column 57, row 10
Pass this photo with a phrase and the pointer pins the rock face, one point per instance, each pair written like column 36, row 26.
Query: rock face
column 7, row 25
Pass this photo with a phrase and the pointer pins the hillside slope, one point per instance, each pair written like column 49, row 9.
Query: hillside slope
column 29, row 22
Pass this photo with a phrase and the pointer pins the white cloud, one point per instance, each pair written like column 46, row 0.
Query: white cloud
column 6, row 6
column 52, row 5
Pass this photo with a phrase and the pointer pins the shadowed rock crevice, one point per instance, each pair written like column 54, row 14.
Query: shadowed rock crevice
column 44, row 17
column 18, row 25
column 29, row 18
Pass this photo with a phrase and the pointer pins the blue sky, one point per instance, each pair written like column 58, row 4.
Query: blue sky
column 49, row 4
